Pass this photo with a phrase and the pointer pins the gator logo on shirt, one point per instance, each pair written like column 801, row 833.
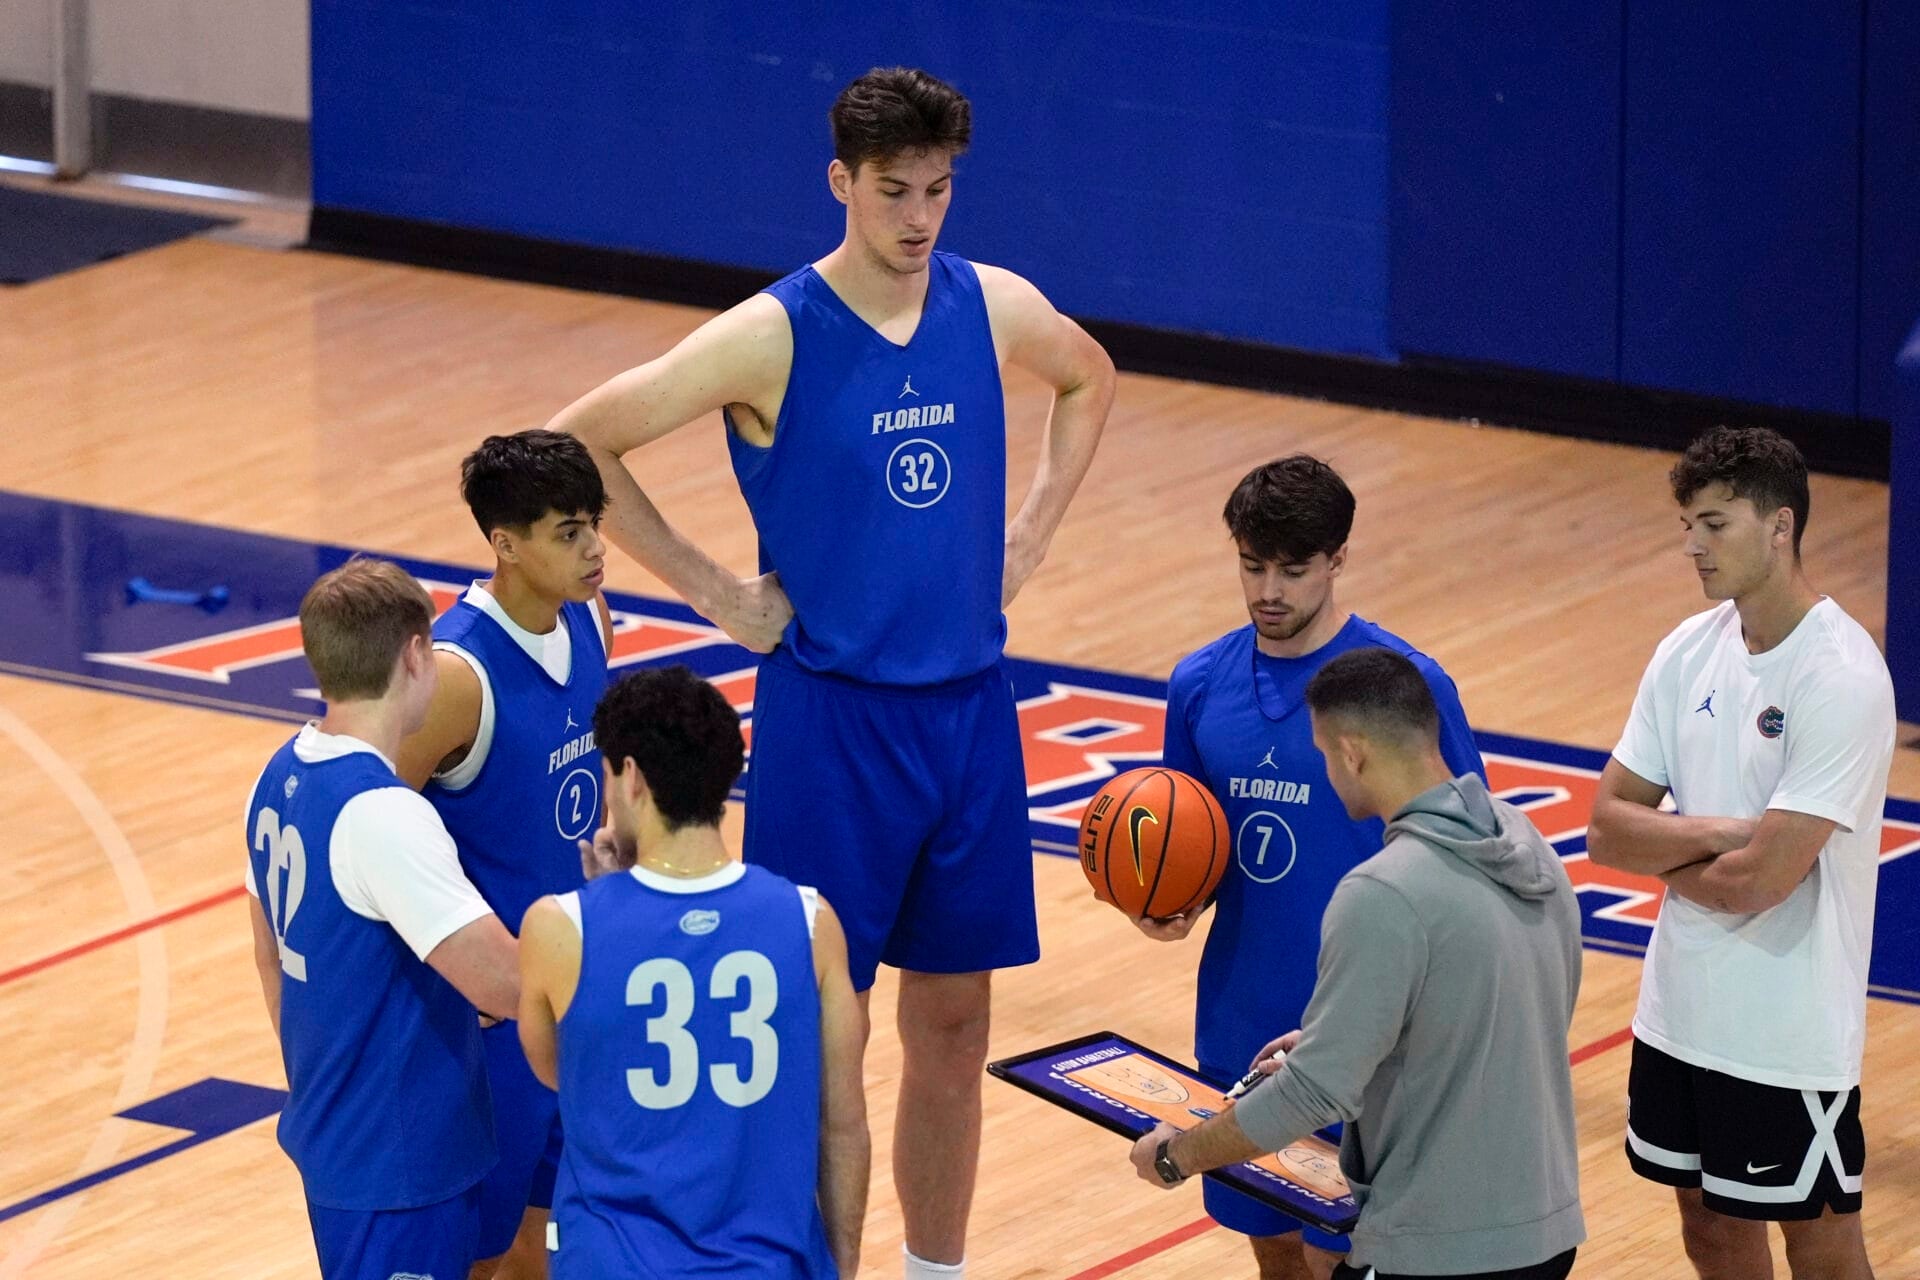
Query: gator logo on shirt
column 1772, row 722
column 697, row 922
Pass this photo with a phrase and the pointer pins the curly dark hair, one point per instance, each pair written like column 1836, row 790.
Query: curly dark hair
column 1291, row 509
column 893, row 110
column 681, row 734
column 1380, row 692
column 510, row 482
column 1759, row 465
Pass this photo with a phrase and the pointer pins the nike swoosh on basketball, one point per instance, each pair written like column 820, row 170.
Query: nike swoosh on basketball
column 1762, row 1168
column 1139, row 814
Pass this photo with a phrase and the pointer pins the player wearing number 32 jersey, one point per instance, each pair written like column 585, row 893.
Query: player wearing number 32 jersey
column 374, row 949
column 868, row 435
column 696, row 1016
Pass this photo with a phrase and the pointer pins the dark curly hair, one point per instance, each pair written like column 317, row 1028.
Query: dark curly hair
column 893, row 110
column 681, row 734
column 510, row 482
column 1291, row 509
column 1759, row 465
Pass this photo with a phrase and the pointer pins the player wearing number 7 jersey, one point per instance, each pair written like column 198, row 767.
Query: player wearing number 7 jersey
column 374, row 949
column 865, row 420
column 1237, row 720
column 696, row 1016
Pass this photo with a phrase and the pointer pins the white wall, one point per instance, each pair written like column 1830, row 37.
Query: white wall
column 238, row 55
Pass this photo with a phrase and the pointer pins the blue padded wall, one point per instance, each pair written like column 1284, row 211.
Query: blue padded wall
column 1505, row 145
column 1890, row 199
column 1741, row 200
column 1903, row 533
column 1105, row 134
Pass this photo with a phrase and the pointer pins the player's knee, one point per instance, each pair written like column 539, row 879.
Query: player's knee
column 1713, row 1241
column 1831, row 1245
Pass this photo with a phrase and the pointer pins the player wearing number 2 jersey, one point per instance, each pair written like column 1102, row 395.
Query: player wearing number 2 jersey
column 863, row 404
column 1237, row 720
column 374, row 949
column 696, row 1016
column 507, row 758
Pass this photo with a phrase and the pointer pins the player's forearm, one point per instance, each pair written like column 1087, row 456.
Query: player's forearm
column 1212, row 1144
column 633, row 524
column 1634, row 837
column 1073, row 435
column 1737, row 883
column 846, row 1157
column 270, row 988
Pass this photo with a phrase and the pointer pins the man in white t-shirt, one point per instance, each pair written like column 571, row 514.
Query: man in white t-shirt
column 1770, row 721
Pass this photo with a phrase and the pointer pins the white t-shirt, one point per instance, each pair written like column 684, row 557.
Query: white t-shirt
column 391, row 857
column 553, row 650
column 1777, row 997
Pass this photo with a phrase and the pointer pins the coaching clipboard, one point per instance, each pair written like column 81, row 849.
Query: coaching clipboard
column 1128, row 1088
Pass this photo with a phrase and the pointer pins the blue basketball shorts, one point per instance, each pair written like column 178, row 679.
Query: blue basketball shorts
column 1237, row 1211
column 906, row 807
column 435, row 1242
column 526, row 1126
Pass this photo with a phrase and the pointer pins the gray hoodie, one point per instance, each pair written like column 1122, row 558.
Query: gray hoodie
column 1449, row 962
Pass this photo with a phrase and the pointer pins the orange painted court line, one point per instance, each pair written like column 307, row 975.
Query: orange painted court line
column 118, row 935
column 1180, row 1235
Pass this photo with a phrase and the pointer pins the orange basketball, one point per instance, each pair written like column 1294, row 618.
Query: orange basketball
column 1153, row 842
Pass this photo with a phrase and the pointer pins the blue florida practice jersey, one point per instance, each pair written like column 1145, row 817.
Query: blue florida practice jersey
column 387, row 1104
column 882, row 500
column 517, row 822
column 690, row 1083
column 1238, row 721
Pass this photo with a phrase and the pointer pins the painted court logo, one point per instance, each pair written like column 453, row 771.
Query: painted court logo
column 1772, row 722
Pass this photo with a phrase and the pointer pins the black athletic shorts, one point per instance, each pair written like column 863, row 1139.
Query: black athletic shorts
column 1755, row 1150
column 1551, row 1269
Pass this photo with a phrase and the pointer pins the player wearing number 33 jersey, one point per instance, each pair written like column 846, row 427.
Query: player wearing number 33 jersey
column 697, row 1018
column 374, row 949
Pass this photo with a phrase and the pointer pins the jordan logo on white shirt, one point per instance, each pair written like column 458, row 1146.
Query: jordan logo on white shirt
column 1706, row 705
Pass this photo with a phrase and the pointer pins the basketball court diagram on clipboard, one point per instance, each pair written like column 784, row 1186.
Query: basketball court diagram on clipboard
column 1127, row 1088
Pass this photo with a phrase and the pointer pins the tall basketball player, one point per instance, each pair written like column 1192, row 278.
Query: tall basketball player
column 1237, row 719
column 696, row 1016
column 1770, row 720
column 374, row 950
column 507, row 758
column 864, row 417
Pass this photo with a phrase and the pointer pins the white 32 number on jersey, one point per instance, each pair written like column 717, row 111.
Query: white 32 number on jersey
column 668, row 1028
column 287, row 853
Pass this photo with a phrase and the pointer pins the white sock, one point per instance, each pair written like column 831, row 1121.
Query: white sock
column 921, row 1269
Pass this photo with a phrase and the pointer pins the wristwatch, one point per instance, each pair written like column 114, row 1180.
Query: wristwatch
column 1164, row 1166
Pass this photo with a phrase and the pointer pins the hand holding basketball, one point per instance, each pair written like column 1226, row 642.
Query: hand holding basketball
column 1172, row 928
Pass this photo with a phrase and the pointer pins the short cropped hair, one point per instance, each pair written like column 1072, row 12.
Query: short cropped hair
column 355, row 621
column 510, row 482
column 1760, row 465
column 1379, row 692
column 683, row 736
column 1291, row 509
column 893, row 110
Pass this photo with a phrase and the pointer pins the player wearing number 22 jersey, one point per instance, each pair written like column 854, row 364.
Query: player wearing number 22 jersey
column 1237, row 720
column 373, row 951
column 697, row 1018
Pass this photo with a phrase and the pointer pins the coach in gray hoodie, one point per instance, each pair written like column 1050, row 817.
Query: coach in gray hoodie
column 1449, row 962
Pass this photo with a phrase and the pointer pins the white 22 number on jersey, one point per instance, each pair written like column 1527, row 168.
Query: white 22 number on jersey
column 668, row 1028
column 286, row 853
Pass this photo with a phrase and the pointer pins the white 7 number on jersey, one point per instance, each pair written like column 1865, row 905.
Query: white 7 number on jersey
column 285, row 852
column 668, row 1028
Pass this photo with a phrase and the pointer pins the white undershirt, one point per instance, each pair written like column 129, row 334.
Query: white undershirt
column 390, row 855
column 553, row 650
column 729, row 874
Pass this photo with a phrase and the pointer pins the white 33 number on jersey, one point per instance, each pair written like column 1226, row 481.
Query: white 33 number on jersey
column 668, row 1028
